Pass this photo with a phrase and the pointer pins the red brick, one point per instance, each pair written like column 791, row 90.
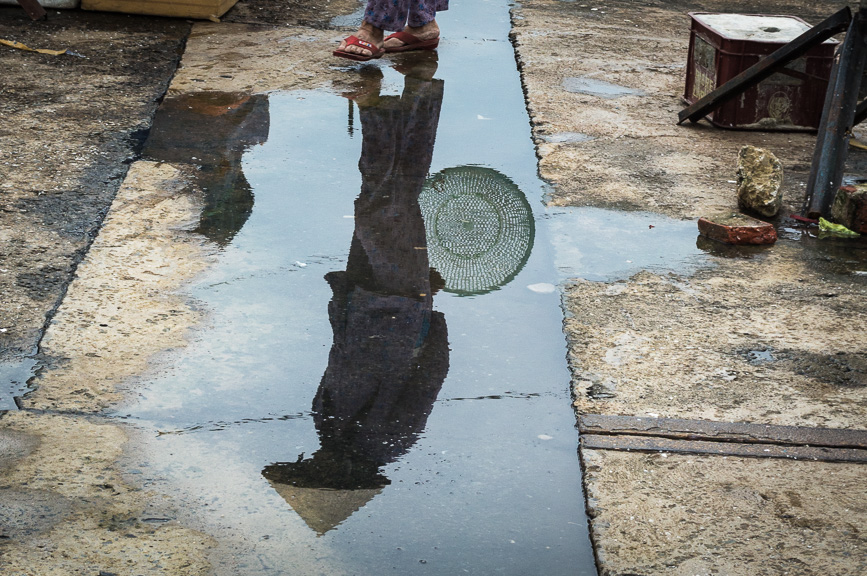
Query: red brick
column 737, row 228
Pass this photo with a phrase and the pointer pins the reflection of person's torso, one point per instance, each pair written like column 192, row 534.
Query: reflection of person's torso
column 389, row 355
column 390, row 351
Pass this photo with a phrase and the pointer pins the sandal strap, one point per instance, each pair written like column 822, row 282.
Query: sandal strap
column 356, row 41
column 404, row 37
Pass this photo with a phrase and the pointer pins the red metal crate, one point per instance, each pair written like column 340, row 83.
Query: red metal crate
column 721, row 46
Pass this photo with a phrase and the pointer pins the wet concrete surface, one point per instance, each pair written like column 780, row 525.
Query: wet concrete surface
column 354, row 401
column 14, row 376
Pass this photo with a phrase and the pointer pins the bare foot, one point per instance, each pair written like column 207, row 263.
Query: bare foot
column 427, row 32
column 368, row 33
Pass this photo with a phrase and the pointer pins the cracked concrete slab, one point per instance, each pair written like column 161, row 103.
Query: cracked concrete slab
column 686, row 515
column 768, row 336
column 71, row 125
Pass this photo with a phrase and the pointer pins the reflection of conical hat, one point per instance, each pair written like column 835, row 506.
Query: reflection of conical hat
column 480, row 228
column 322, row 509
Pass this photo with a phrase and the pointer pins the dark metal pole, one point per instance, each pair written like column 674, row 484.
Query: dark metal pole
column 838, row 115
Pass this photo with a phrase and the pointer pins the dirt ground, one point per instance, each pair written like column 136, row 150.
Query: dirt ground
column 72, row 125
column 767, row 336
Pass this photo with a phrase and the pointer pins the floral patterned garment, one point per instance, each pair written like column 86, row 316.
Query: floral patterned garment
column 393, row 15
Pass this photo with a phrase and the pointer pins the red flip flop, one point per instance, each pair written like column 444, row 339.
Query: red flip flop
column 355, row 41
column 411, row 42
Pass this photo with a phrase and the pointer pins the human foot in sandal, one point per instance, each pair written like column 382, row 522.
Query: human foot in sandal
column 425, row 37
column 365, row 45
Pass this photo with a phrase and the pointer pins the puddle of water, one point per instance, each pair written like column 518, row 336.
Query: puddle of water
column 723, row 250
column 13, row 381
column 760, row 356
column 593, row 87
column 382, row 384
column 234, row 123
column 606, row 245
column 567, row 138
column 350, row 20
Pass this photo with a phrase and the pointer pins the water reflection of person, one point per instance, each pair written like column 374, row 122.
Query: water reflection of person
column 213, row 130
column 389, row 355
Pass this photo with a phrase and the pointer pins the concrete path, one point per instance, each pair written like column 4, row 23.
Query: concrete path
column 768, row 337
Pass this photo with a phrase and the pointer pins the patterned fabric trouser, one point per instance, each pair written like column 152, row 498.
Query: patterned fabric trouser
column 393, row 15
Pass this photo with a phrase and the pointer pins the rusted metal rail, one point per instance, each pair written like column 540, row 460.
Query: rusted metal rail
column 33, row 9
column 606, row 432
column 653, row 444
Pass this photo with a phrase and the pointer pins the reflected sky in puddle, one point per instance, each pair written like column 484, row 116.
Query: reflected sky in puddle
column 594, row 87
column 378, row 387
column 606, row 245
column 14, row 377
column 406, row 418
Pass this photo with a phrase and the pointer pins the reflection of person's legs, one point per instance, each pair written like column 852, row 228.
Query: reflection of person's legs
column 398, row 137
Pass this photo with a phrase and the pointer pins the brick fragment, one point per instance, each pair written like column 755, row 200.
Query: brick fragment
column 850, row 208
column 737, row 228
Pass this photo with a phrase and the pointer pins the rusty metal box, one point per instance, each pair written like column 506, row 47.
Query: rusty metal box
column 721, row 46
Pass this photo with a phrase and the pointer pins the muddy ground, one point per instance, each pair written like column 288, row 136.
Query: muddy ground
column 768, row 336
column 72, row 125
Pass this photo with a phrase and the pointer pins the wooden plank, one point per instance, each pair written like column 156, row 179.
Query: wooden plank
column 741, row 432
column 653, row 444
column 201, row 9
column 33, row 9
column 767, row 66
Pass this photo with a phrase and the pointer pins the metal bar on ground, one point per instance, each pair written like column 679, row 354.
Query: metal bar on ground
column 767, row 66
column 653, row 444
column 33, row 9
column 741, row 432
column 838, row 115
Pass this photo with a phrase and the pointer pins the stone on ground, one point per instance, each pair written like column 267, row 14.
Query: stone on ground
column 759, row 178
column 850, row 208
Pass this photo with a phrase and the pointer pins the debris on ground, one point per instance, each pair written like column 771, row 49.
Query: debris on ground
column 20, row 46
column 737, row 228
column 850, row 208
column 759, row 181
column 833, row 229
